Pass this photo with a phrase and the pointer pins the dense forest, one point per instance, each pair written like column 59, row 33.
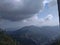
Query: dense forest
column 57, row 42
column 6, row 39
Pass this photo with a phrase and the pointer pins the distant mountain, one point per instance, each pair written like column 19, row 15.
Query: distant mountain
column 32, row 35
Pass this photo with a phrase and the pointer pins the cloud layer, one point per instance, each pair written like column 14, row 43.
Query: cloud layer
column 35, row 20
column 25, row 13
column 52, row 3
column 19, row 9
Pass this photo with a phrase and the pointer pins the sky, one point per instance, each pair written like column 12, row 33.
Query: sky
column 19, row 13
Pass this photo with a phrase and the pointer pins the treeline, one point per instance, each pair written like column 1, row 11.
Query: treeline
column 5, row 39
column 57, row 42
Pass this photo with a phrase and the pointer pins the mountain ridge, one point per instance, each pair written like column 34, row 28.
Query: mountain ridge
column 38, row 35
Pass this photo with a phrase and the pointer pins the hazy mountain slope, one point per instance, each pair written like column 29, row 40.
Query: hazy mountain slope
column 36, row 35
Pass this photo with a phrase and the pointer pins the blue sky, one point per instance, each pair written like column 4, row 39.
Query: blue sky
column 50, row 10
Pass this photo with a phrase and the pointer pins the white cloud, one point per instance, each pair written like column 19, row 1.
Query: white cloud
column 35, row 20
column 24, row 21
column 18, row 0
column 50, row 2
column 48, row 17
column 46, row 1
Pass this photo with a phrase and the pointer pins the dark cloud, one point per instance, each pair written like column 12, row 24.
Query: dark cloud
column 17, row 10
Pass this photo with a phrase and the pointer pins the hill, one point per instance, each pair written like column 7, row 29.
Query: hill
column 32, row 35
column 6, row 39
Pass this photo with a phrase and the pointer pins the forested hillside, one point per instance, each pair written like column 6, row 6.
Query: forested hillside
column 6, row 39
column 29, row 36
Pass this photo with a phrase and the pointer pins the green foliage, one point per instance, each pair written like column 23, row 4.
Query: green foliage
column 6, row 39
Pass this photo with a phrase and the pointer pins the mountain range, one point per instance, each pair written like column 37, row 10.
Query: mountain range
column 33, row 35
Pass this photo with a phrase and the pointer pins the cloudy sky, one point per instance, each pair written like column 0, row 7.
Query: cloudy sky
column 20, row 13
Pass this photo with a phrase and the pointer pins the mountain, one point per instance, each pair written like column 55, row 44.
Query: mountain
column 32, row 35
column 6, row 39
